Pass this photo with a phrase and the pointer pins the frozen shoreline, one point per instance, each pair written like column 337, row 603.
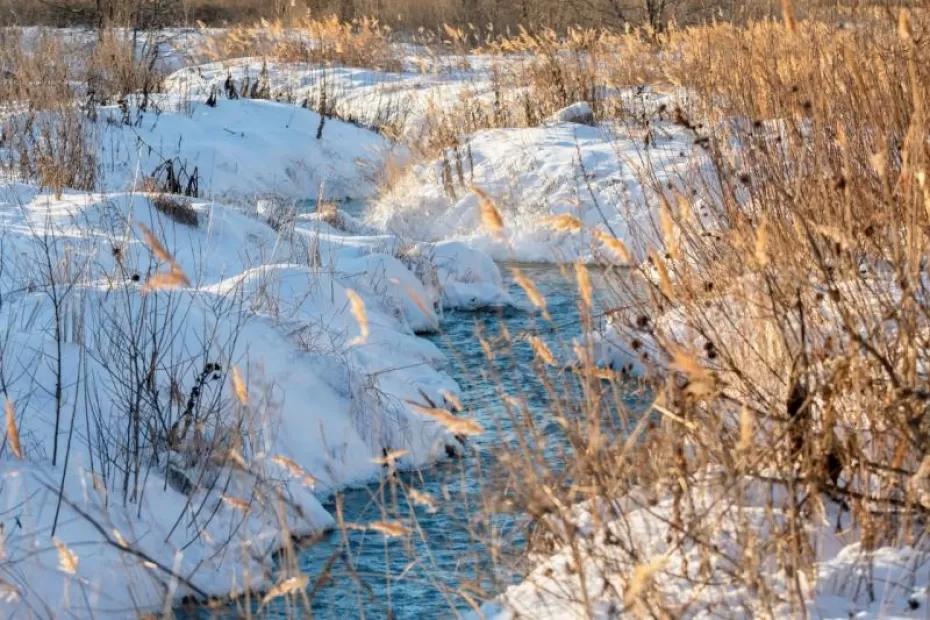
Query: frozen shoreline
column 327, row 381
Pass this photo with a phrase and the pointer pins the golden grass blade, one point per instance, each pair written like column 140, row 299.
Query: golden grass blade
column 700, row 381
column 604, row 374
column 535, row 297
column 665, row 281
column 424, row 499
column 490, row 217
column 235, row 457
column 120, row 539
column 390, row 529
column 295, row 470
column 67, row 559
column 239, row 388
column 787, row 12
column 12, row 433
column 357, row 307
column 236, row 502
column 155, row 245
column 564, row 223
column 418, row 301
column 617, row 247
column 584, row 284
column 542, row 350
column 642, row 578
column 452, row 422
column 921, row 177
column 746, row 426
column 285, row 587
column 669, row 235
column 762, row 243
column 904, row 25
column 165, row 281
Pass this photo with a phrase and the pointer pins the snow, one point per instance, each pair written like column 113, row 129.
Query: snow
column 402, row 101
column 849, row 581
column 594, row 174
column 242, row 150
column 598, row 173
column 274, row 305
column 579, row 112
column 326, row 392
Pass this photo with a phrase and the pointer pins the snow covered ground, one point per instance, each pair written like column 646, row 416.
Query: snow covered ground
column 849, row 581
column 402, row 101
column 207, row 367
column 318, row 313
column 534, row 176
column 597, row 174
column 242, row 151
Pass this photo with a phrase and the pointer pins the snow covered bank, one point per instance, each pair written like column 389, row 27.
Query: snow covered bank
column 401, row 101
column 676, row 574
column 213, row 379
column 239, row 150
column 567, row 166
column 534, row 176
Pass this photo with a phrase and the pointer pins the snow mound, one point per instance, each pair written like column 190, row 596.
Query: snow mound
column 324, row 390
column 242, row 150
column 580, row 113
column 593, row 174
column 848, row 581
column 370, row 98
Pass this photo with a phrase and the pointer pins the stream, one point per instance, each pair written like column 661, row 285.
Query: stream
column 421, row 575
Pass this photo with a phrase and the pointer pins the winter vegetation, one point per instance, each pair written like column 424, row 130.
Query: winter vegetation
column 466, row 308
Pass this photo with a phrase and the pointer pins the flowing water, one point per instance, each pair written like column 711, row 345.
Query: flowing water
column 419, row 576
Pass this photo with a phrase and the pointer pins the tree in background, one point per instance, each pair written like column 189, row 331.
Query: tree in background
column 408, row 15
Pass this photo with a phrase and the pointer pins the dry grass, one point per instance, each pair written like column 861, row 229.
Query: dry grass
column 49, row 100
column 177, row 209
column 328, row 41
column 785, row 315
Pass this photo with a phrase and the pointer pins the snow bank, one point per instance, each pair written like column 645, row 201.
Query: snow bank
column 580, row 113
column 401, row 101
column 849, row 581
column 241, row 150
column 453, row 276
column 567, row 166
column 328, row 393
column 594, row 174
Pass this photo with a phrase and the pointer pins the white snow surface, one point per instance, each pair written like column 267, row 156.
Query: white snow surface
column 848, row 581
column 276, row 306
column 369, row 97
column 242, row 150
column 594, row 174
column 600, row 174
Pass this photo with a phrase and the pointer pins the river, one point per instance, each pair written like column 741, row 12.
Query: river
column 422, row 575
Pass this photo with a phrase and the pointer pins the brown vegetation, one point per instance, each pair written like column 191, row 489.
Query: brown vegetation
column 408, row 15
column 785, row 314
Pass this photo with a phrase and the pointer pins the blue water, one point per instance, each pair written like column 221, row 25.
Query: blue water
column 420, row 576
